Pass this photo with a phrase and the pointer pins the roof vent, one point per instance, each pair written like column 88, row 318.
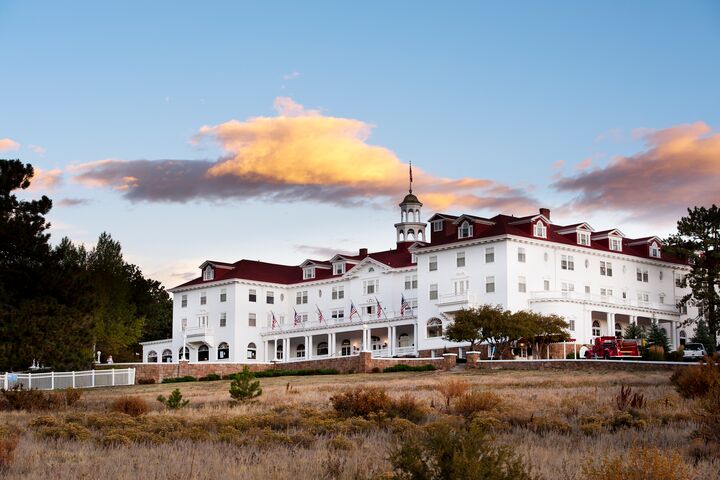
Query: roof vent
column 545, row 212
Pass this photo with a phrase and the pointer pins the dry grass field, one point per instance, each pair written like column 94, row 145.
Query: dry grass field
column 561, row 424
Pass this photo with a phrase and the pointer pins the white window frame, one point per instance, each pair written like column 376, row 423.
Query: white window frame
column 583, row 238
column 522, row 284
column 252, row 320
column 223, row 295
column 465, row 230
column 460, row 259
column 337, row 314
column 339, row 268
column 490, row 284
column 615, row 244
column 208, row 273
column 433, row 291
column 308, row 273
column 490, row 255
column 338, row 293
column 371, row 287
column 183, row 301
column 411, row 282
column 203, row 298
column 437, row 226
column 301, row 297
column 540, row 229
column 270, row 297
column 654, row 250
column 433, row 263
column 223, row 319
column 521, row 256
column 252, row 295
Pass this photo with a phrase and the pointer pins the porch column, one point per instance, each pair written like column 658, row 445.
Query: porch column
column 331, row 344
column 308, row 348
column 286, row 349
column 266, row 350
column 276, row 347
column 389, row 342
column 415, row 336
column 633, row 319
column 611, row 324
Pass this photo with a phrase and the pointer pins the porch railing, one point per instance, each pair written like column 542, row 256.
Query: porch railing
column 58, row 380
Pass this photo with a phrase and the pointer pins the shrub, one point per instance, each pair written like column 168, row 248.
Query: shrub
column 64, row 398
column 174, row 401
column 445, row 450
column 210, row 377
column 571, row 356
column 655, row 353
column 286, row 373
column 472, row 403
column 341, row 442
column 452, row 389
column 407, row 407
column 675, row 356
column 243, row 388
column 707, row 437
column 640, row 464
column 18, row 398
column 133, row 406
column 410, row 368
column 65, row 431
column 146, row 381
column 361, row 402
column 627, row 399
column 8, row 444
column 696, row 380
column 186, row 378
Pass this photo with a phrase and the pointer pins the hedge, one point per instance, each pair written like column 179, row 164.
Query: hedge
column 410, row 368
column 186, row 378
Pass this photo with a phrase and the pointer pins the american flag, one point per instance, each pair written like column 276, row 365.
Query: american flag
column 274, row 321
column 379, row 308
column 353, row 311
column 404, row 304
column 321, row 318
column 297, row 318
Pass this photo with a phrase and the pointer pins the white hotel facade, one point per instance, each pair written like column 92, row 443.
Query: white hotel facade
column 599, row 281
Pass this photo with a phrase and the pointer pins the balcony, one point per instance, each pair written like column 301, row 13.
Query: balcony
column 604, row 300
column 199, row 335
column 372, row 321
column 453, row 302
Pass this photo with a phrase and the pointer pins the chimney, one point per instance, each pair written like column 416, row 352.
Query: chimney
column 545, row 212
column 363, row 252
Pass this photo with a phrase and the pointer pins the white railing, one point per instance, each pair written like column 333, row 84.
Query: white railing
column 456, row 298
column 58, row 380
column 595, row 298
column 400, row 351
column 357, row 320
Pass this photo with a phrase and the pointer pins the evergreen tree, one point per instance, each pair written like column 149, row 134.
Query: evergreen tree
column 657, row 336
column 702, row 335
column 634, row 332
column 243, row 387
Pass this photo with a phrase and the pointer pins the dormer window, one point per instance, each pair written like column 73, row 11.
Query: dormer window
column 308, row 273
column 466, row 230
column 437, row 226
column 616, row 244
column 208, row 273
column 654, row 250
column 540, row 230
column 339, row 268
column 583, row 238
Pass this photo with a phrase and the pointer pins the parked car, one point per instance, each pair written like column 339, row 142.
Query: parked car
column 694, row 351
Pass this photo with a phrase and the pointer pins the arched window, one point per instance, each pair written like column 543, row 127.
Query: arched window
column 683, row 337
column 186, row 355
column 223, row 351
column 300, row 351
column 152, row 356
column 421, row 236
column 596, row 329
column 404, row 340
column 345, row 349
column 167, row 356
column 618, row 331
column 251, row 351
column 434, row 328
column 465, row 230
column 410, row 235
column 279, row 350
column 322, row 348
column 401, row 237
column 203, row 353
column 375, row 342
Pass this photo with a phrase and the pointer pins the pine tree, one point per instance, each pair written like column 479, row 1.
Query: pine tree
column 634, row 332
column 657, row 336
column 702, row 335
column 243, row 388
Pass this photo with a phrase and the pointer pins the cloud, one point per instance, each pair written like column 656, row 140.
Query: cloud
column 37, row 149
column 291, row 76
column 8, row 144
column 679, row 168
column 584, row 164
column 557, row 165
column 298, row 155
column 319, row 252
column 74, row 202
column 44, row 180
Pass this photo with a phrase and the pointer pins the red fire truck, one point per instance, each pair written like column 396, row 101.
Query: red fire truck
column 611, row 347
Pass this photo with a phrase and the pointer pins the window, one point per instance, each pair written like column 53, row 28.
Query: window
column 540, row 230
column 522, row 286
column 202, row 321
column 308, row 273
column 489, row 255
column 252, row 320
column 223, row 319
column 583, row 238
column 301, row 297
column 370, row 310
column 489, row 284
column 203, row 298
column 567, row 262
column 460, row 259
column 433, row 291
column 345, row 348
column 434, row 328
column 437, row 226
column 466, row 230
column 223, row 295
column 643, row 297
column 322, row 348
column 679, row 282
column 567, row 288
column 203, row 353
column 616, row 244
column 339, row 268
column 618, row 331
column 642, row 275
column 654, row 250
column 270, row 297
column 251, row 351
column 223, row 351
column 606, row 269
column 208, row 273
column 338, row 315
column 338, row 293
column 606, row 292
column 167, row 356
column 183, row 324
column 521, row 255
column 596, row 328
column 571, row 323
column 184, row 353
column 546, row 285
column 300, row 351
column 183, row 301
column 252, row 295
column 411, row 282
column 433, row 263
column 587, row 289
column 683, row 337
column 152, row 356
column 371, row 287
column 661, row 297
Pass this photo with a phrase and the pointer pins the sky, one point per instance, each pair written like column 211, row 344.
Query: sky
column 281, row 131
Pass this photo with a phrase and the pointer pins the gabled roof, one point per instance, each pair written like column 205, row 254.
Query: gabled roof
column 315, row 263
column 442, row 216
column 645, row 241
column 614, row 232
column 530, row 219
column 473, row 219
column 573, row 228
column 215, row 264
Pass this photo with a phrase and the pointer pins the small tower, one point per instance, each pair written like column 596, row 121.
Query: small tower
column 410, row 228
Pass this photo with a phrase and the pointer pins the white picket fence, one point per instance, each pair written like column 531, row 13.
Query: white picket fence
column 58, row 380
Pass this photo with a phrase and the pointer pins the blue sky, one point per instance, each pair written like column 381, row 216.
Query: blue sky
column 520, row 94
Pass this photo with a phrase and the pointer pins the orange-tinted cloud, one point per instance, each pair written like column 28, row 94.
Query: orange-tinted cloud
column 679, row 168
column 300, row 154
column 44, row 180
column 8, row 144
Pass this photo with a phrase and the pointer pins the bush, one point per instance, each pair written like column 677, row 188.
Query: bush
column 627, row 399
column 361, row 402
column 64, row 398
column 640, row 464
column 407, row 407
column 186, row 378
column 655, row 353
column 452, row 389
column 707, row 437
column 286, row 373
column 210, row 377
column 174, row 401
column 675, row 356
column 472, row 403
column 18, row 398
column 243, row 388
column 696, row 380
column 65, row 431
column 445, row 450
column 8, row 445
column 571, row 356
column 133, row 406
column 409, row 368
column 146, row 381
